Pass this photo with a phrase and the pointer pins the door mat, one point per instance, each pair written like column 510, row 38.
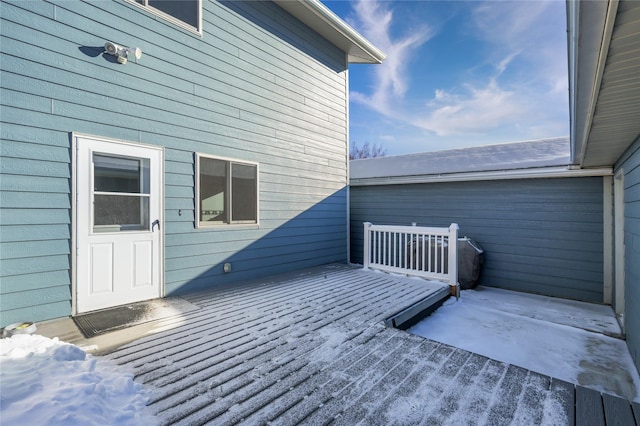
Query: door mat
column 107, row 320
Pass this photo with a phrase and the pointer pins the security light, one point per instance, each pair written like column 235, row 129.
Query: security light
column 122, row 53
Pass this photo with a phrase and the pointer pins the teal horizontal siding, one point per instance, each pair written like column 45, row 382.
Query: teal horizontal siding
column 35, row 232
column 220, row 235
column 631, row 166
column 279, row 243
column 258, row 86
column 34, row 200
column 36, row 40
column 243, row 256
column 179, row 281
column 33, row 151
column 539, row 235
column 29, row 249
column 22, row 166
column 219, row 278
column 34, row 184
column 45, row 137
column 33, row 264
column 29, row 216
column 41, row 312
column 35, row 297
column 33, row 119
column 35, row 281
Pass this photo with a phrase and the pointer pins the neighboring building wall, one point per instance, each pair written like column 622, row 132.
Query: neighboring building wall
column 630, row 163
column 258, row 86
column 539, row 235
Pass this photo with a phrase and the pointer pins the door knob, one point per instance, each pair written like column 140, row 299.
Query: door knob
column 154, row 223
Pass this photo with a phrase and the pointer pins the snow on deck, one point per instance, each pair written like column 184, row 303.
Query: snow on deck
column 561, row 338
column 312, row 348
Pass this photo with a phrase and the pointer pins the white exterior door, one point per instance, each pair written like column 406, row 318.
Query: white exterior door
column 118, row 223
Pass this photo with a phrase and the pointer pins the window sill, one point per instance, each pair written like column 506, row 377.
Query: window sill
column 228, row 227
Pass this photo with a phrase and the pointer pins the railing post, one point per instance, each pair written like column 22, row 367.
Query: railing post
column 367, row 245
column 453, row 259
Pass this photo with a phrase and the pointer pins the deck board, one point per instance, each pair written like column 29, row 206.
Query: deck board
column 636, row 411
column 617, row 411
column 565, row 394
column 312, row 348
column 589, row 407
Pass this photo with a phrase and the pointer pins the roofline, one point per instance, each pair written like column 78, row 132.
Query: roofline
column 532, row 173
column 320, row 18
column 590, row 26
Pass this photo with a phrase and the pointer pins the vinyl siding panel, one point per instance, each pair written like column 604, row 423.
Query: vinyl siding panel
column 539, row 235
column 630, row 163
column 258, row 86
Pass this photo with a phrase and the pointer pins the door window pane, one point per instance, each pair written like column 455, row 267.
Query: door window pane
column 120, row 174
column 121, row 188
column 125, row 212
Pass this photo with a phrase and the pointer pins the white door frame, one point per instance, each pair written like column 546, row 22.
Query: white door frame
column 74, row 210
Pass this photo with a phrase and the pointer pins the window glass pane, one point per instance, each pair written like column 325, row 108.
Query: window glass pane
column 145, row 176
column 213, row 190
column 184, row 10
column 127, row 212
column 120, row 174
column 244, row 192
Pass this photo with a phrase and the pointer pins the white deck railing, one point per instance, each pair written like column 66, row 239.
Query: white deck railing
column 413, row 250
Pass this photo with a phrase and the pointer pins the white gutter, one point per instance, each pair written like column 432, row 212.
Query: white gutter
column 535, row 173
column 573, row 17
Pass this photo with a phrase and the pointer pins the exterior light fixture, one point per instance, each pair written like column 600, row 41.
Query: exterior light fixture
column 122, row 53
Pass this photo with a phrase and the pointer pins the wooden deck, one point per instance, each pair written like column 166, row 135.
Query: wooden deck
column 312, row 348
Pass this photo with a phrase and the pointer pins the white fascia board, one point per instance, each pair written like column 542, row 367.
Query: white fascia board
column 326, row 23
column 573, row 16
column 536, row 173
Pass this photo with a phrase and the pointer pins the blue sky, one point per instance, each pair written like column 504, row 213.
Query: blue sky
column 458, row 73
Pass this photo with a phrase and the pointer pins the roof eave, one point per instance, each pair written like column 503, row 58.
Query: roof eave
column 589, row 32
column 326, row 23
column 531, row 173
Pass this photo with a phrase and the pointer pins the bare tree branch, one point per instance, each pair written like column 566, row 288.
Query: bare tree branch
column 366, row 151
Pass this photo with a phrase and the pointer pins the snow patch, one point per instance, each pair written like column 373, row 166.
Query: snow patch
column 493, row 327
column 45, row 381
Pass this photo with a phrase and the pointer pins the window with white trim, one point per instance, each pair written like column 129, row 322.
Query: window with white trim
column 227, row 191
column 186, row 13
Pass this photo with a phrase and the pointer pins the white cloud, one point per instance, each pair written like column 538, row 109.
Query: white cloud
column 391, row 77
column 504, row 63
column 509, row 23
column 518, row 89
column 477, row 110
column 523, row 30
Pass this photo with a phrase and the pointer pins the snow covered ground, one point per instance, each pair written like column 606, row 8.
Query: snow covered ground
column 48, row 382
column 543, row 334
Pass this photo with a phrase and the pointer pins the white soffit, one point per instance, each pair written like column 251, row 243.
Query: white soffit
column 326, row 23
column 606, row 97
